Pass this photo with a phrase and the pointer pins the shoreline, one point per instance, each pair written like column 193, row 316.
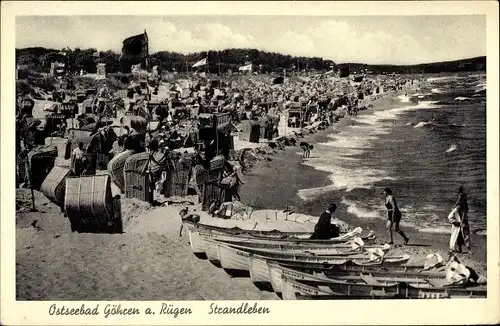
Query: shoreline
column 150, row 261
column 275, row 185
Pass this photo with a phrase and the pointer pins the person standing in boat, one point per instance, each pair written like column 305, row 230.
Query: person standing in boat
column 393, row 215
column 463, row 210
column 324, row 229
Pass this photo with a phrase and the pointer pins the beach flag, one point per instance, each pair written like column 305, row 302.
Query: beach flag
column 136, row 46
column 246, row 68
column 201, row 63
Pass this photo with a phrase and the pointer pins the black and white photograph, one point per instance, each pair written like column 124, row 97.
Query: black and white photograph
column 251, row 158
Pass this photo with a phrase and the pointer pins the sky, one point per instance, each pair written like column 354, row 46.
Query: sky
column 360, row 39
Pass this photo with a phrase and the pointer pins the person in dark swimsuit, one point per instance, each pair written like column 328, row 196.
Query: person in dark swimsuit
column 393, row 215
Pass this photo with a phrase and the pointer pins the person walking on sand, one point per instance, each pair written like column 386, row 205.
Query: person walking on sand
column 463, row 210
column 324, row 230
column 457, row 238
column 393, row 215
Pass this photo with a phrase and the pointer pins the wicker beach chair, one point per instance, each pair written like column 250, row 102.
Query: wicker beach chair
column 115, row 169
column 41, row 161
column 89, row 204
column 179, row 176
column 138, row 182
column 54, row 185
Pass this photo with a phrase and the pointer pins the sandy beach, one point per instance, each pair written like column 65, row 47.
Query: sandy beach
column 149, row 261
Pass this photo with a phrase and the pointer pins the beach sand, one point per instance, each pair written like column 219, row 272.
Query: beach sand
column 149, row 261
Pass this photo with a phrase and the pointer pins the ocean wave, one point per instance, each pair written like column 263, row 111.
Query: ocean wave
column 477, row 75
column 462, row 98
column 342, row 178
column 436, row 91
column 443, row 78
column 408, row 124
column 422, row 124
column 355, row 209
column 436, row 229
column 452, row 148
column 311, row 193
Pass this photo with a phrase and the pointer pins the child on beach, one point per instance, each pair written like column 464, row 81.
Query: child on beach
column 306, row 147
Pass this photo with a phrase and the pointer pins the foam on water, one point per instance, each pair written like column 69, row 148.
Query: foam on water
column 436, row 91
column 436, row 229
column 462, row 98
column 354, row 208
column 452, row 148
column 422, row 124
column 336, row 156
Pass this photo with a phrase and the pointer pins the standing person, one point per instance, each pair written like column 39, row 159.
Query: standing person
column 457, row 235
column 324, row 230
column 306, row 147
column 393, row 215
column 78, row 159
column 463, row 210
column 194, row 218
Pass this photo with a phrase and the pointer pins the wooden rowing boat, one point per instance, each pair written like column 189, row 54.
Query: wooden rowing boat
column 300, row 250
column 273, row 235
column 238, row 261
column 239, row 231
column 293, row 246
column 197, row 237
column 334, row 289
column 380, row 273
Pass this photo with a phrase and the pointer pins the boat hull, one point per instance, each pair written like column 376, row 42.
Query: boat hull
column 259, row 273
column 197, row 244
column 212, row 252
column 234, row 262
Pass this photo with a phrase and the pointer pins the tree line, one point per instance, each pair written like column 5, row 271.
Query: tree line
column 39, row 59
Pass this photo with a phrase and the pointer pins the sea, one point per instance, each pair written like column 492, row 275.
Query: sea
column 423, row 145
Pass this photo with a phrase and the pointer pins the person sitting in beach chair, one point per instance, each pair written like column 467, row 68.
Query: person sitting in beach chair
column 324, row 229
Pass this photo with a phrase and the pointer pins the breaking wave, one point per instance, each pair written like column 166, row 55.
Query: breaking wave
column 422, row 124
column 452, row 148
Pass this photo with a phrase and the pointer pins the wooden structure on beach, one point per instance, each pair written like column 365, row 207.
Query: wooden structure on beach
column 90, row 206
column 54, row 185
